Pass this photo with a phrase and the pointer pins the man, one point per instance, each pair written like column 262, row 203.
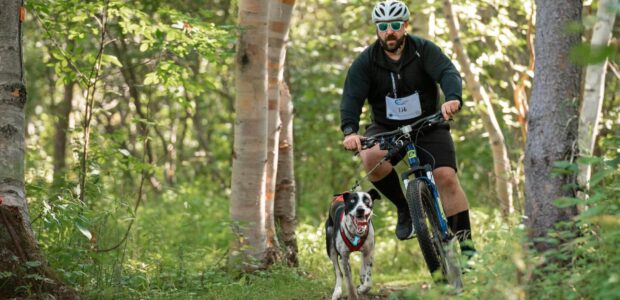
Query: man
column 398, row 74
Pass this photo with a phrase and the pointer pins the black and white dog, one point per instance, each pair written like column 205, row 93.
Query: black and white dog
column 349, row 229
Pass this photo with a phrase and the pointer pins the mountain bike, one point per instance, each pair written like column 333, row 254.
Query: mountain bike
column 436, row 241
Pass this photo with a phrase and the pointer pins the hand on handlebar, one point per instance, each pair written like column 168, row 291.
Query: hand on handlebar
column 450, row 108
column 352, row 142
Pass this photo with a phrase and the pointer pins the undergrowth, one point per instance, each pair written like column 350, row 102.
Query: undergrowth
column 177, row 249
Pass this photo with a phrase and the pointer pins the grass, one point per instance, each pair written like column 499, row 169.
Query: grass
column 178, row 247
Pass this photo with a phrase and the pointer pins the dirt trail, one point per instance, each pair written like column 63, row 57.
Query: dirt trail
column 384, row 292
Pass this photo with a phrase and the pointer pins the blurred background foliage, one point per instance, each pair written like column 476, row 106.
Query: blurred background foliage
column 159, row 162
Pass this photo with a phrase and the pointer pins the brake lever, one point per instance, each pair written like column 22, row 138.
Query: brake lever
column 365, row 142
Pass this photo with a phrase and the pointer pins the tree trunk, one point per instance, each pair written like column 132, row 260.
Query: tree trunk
column 594, row 87
column 501, row 163
column 280, row 13
column 247, row 200
column 63, row 112
column 519, row 95
column 424, row 24
column 552, row 123
column 21, row 260
column 285, row 203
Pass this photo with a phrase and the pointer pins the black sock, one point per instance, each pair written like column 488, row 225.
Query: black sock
column 460, row 226
column 390, row 187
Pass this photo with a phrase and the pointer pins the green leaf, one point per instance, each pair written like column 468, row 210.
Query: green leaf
column 564, row 167
column 144, row 47
column 111, row 59
column 589, row 160
column 33, row 264
column 151, row 78
column 562, row 164
column 600, row 175
column 585, row 54
column 564, row 202
column 57, row 54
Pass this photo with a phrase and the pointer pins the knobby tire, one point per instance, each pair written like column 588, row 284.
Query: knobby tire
column 418, row 193
column 438, row 253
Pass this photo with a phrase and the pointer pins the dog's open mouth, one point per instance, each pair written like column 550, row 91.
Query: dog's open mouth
column 361, row 223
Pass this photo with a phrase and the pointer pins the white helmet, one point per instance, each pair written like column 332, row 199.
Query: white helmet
column 390, row 10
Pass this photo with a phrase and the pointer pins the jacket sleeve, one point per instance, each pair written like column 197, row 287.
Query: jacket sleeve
column 442, row 70
column 355, row 92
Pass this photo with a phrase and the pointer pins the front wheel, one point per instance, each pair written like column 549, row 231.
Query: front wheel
column 437, row 247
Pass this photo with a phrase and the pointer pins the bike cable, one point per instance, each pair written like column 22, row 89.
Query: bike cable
column 357, row 181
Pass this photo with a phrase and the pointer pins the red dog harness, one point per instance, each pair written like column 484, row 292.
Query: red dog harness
column 359, row 240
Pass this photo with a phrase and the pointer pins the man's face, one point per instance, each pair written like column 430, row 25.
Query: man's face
column 391, row 38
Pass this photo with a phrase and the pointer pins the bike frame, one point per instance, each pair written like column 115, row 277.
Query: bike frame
column 423, row 172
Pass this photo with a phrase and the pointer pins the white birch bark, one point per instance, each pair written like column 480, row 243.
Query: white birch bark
column 280, row 13
column 594, row 87
column 501, row 163
column 285, row 198
column 17, row 243
column 247, row 203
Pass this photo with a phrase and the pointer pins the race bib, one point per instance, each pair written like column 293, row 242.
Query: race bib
column 403, row 108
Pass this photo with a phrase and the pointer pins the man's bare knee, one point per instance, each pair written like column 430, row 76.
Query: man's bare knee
column 371, row 159
column 446, row 179
column 452, row 196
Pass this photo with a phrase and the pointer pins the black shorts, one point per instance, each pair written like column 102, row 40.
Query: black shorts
column 434, row 146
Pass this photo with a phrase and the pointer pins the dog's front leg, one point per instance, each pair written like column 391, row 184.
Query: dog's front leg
column 338, row 288
column 346, row 269
column 366, row 271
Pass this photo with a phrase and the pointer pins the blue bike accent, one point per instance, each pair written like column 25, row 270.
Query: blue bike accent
column 414, row 161
column 442, row 223
column 412, row 155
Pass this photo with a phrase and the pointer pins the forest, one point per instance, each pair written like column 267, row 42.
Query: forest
column 191, row 149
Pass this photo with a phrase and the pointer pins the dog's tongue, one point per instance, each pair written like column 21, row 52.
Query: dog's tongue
column 360, row 224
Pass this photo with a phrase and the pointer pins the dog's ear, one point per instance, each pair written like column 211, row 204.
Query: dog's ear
column 346, row 195
column 374, row 195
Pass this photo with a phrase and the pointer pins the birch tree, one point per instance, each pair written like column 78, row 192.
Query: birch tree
column 552, row 123
column 285, row 199
column 594, row 87
column 23, row 268
column 501, row 163
column 280, row 13
column 247, row 204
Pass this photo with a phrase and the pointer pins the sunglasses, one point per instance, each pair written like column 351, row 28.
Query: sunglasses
column 383, row 26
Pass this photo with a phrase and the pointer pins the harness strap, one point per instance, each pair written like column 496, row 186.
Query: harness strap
column 358, row 243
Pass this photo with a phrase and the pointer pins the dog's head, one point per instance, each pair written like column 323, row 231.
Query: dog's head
column 358, row 207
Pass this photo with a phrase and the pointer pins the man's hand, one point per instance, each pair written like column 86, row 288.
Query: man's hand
column 352, row 142
column 450, row 108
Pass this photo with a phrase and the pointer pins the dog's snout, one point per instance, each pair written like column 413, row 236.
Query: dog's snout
column 360, row 211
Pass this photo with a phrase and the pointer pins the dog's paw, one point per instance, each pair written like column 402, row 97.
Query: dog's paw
column 336, row 295
column 363, row 289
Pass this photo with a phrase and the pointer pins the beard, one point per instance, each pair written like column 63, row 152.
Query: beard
column 395, row 47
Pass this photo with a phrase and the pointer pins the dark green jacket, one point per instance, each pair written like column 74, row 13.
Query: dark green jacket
column 421, row 66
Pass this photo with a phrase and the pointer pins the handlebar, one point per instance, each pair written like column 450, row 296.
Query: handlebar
column 384, row 137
